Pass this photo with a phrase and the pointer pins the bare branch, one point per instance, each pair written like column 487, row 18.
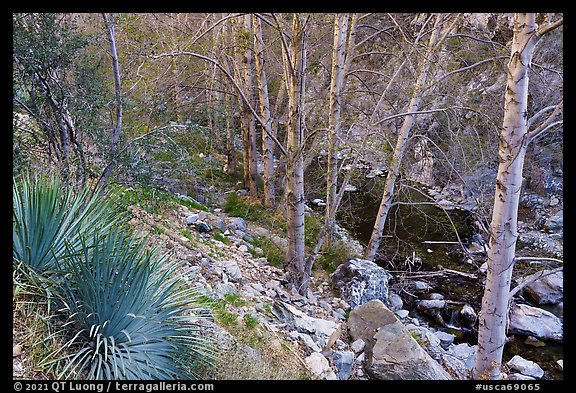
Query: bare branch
column 225, row 71
column 536, row 277
column 547, row 124
column 476, row 39
column 538, row 114
column 464, row 69
column 408, row 114
column 549, row 27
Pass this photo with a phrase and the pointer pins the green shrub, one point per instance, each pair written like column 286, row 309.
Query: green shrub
column 242, row 206
column 273, row 254
column 154, row 201
column 129, row 316
column 334, row 257
column 46, row 213
column 250, row 321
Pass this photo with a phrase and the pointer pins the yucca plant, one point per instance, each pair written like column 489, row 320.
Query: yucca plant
column 46, row 213
column 129, row 315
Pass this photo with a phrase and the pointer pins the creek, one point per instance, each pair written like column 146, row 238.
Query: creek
column 420, row 240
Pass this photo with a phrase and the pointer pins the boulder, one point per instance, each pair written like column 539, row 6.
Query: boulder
column 360, row 281
column 555, row 223
column 445, row 338
column 468, row 315
column 532, row 321
column 319, row 366
column 202, row 227
column 395, row 302
column 525, row 367
column 464, row 352
column 322, row 331
column 343, row 360
column 392, row 352
column 233, row 271
column 549, row 289
column 396, row 355
column 191, row 219
column 364, row 321
column 237, row 224
column 358, row 345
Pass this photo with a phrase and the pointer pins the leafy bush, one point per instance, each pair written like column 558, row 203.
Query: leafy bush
column 46, row 213
column 129, row 316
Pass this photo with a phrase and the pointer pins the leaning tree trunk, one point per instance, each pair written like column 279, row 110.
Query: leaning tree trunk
column 513, row 141
column 118, row 126
column 294, row 65
column 400, row 148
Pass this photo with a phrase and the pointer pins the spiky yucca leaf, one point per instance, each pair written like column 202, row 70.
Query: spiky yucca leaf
column 130, row 316
column 46, row 213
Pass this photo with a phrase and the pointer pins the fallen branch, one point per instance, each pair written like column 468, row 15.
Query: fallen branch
column 534, row 278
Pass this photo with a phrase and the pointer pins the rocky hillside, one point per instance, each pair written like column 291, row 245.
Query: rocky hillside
column 349, row 326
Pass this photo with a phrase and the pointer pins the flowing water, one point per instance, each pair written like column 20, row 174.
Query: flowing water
column 423, row 232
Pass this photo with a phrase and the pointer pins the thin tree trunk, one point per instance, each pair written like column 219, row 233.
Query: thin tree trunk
column 513, row 141
column 109, row 22
column 335, row 106
column 249, row 80
column 400, row 148
column 267, row 143
column 294, row 65
column 231, row 164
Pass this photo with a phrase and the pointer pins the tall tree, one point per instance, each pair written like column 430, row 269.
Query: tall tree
column 244, row 70
column 514, row 138
column 57, row 86
column 117, row 129
column 267, row 143
column 339, row 56
column 294, row 58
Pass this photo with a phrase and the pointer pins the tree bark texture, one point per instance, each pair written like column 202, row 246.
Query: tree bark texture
column 294, row 57
column 513, row 141
column 334, row 123
column 267, row 142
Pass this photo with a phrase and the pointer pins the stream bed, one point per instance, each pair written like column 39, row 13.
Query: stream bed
column 420, row 240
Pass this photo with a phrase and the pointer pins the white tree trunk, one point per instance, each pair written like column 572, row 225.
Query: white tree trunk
column 493, row 316
column 294, row 65
column 267, row 142
column 251, row 121
column 335, row 107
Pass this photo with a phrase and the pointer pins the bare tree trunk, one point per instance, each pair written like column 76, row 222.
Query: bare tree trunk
column 514, row 139
column 244, row 68
column 267, row 143
column 249, row 80
column 231, row 164
column 294, row 56
column 335, row 106
column 400, row 147
column 109, row 22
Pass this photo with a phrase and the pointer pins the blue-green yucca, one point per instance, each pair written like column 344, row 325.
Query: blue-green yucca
column 46, row 213
column 130, row 315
